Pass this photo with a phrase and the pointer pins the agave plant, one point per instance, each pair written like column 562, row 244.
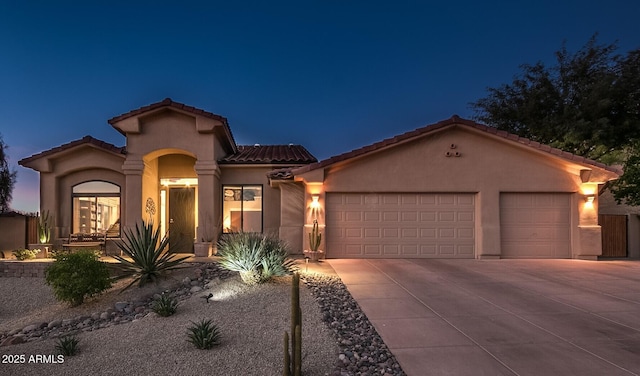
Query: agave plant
column 204, row 334
column 165, row 305
column 68, row 345
column 255, row 256
column 151, row 257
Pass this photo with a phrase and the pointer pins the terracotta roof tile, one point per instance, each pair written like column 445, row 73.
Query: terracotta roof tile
column 270, row 154
column 84, row 140
column 453, row 121
column 167, row 102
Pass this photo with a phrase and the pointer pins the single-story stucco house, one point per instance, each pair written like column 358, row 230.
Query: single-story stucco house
column 453, row 189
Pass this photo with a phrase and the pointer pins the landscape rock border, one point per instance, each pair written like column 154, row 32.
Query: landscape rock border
column 362, row 350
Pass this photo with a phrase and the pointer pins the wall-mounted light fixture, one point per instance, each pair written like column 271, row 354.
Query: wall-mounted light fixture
column 315, row 204
column 589, row 198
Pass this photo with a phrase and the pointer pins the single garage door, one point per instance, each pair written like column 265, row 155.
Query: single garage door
column 400, row 225
column 535, row 225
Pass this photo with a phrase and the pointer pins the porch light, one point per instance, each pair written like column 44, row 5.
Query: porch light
column 315, row 204
column 589, row 198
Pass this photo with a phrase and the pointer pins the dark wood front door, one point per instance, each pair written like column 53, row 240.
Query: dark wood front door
column 182, row 208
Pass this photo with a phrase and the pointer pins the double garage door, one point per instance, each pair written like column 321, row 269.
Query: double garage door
column 400, row 225
column 442, row 225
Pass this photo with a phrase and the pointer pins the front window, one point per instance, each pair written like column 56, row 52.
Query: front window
column 96, row 208
column 242, row 208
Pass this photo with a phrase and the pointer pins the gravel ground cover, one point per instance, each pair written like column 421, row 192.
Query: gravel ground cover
column 337, row 337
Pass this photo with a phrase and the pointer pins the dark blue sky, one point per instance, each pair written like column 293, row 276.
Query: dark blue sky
column 332, row 75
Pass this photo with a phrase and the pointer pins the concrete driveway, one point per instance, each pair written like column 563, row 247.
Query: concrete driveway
column 502, row 317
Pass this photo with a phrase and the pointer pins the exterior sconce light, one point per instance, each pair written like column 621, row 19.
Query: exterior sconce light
column 315, row 204
column 589, row 198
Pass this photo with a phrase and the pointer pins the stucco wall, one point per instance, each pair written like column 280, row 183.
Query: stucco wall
column 170, row 130
column 292, row 215
column 485, row 164
column 63, row 213
column 82, row 164
column 12, row 233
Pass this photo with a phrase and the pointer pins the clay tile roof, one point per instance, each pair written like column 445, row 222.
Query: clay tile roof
column 167, row 102
column 270, row 154
column 455, row 120
column 86, row 140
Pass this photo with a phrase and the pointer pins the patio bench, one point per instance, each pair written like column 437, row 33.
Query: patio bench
column 86, row 241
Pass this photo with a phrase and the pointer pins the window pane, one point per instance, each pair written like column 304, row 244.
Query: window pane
column 232, row 208
column 102, row 187
column 83, row 214
column 242, row 208
column 96, row 208
column 108, row 216
column 252, row 209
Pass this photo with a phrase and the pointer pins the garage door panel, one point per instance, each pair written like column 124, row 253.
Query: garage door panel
column 427, row 200
column 535, row 225
column 446, row 216
column 410, row 233
column 465, row 233
column 427, row 216
column 390, row 233
column 400, row 225
column 391, row 250
column 390, row 216
column 370, row 216
column 409, row 216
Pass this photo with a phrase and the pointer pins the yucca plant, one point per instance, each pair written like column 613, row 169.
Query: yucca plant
column 256, row 257
column 151, row 256
column 204, row 334
column 165, row 305
column 67, row 345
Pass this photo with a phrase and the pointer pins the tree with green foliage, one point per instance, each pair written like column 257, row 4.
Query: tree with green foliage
column 7, row 178
column 587, row 103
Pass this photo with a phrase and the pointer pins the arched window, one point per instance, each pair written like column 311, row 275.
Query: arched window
column 96, row 208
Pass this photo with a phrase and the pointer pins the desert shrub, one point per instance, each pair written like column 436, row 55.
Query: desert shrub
column 204, row 334
column 75, row 276
column 165, row 305
column 257, row 257
column 25, row 254
column 67, row 345
column 151, row 256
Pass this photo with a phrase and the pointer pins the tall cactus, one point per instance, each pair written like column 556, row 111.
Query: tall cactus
column 315, row 237
column 293, row 362
column 44, row 227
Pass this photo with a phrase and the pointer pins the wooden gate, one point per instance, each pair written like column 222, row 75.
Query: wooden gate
column 31, row 230
column 614, row 235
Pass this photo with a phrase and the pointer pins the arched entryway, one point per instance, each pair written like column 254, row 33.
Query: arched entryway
column 170, row 186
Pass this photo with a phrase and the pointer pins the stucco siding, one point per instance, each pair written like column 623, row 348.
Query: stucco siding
column 422, row 165
column 463, row 161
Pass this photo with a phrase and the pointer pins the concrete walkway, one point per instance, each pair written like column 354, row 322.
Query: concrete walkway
column 502, row 317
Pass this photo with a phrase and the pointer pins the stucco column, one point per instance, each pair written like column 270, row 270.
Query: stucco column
column 209, row 197
column 131, row 211
column 48, row 201
column 488, row 224
column 292, row 215
column 589, row 237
